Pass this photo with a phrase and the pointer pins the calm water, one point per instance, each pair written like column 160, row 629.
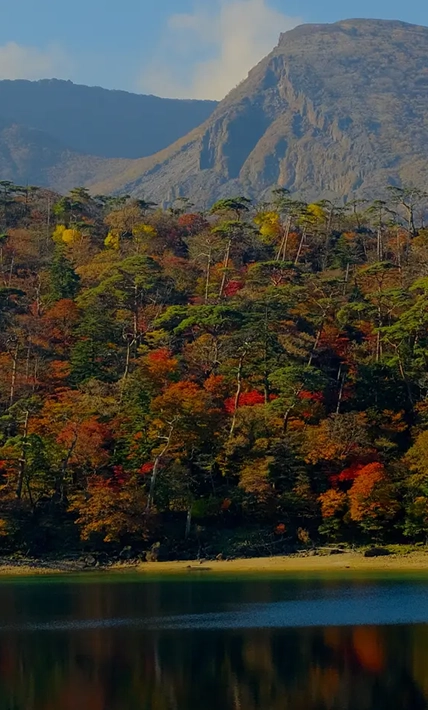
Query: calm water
column 212, row 644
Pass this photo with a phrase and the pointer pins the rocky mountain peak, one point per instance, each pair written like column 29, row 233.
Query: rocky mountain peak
column 334, row 111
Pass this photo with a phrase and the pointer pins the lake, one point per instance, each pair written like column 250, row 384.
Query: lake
column 211, row 643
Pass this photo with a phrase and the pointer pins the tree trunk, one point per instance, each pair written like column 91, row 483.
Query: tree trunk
column 379, row 249
column 129, row 345
column 64, row 467
column 226, row 266
column 188, row 523
column 345, row 283
column 287, row 234
column 14, row 356
column 23, row 459
column 156, row 465
column 412, row 226
column 398, row 251
column 135, row 324
column 27, row 362
column 2, row 267
column 299, row 251
column 315, row 348
column 283, row 245
column 238, row 393
column 327, row 238
column 208, row 277
column 288, row 412
column 286, row 419
column 378, row 337
column 340, row 397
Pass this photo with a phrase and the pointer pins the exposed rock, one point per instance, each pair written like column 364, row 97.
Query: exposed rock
column 335, row 110
column 377, row 552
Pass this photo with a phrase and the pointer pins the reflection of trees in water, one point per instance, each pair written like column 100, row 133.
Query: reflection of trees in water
column 361, row 668
column 310, row 669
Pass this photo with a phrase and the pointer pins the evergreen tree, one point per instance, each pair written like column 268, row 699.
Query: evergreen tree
column 63, row 280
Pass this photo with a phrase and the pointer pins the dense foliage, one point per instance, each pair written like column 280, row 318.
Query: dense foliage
column 172, row 375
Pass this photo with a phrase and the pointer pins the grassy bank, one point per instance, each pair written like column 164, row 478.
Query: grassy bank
column 398, row 560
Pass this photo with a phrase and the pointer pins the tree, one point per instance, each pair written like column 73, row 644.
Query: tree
column 340, row 439
column 237, row 205
column 70, row 422
column 372, row 502
column 63, row 280
column 263, row 365
column 184, row 419
column 295, row 384
column 333, row 505
column 234, row 234
column 409, row 198
column 112, row 509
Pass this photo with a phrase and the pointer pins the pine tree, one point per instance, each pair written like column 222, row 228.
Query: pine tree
column 63, row 280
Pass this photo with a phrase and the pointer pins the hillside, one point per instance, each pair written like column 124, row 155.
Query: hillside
column 57, row 134
column 29, row 156
column 183, row 385
column 334, row 110
column 96, row 121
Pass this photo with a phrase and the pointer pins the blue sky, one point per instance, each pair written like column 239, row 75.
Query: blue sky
column 194, row 48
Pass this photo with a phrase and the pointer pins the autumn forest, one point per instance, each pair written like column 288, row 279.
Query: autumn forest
column 244, row 380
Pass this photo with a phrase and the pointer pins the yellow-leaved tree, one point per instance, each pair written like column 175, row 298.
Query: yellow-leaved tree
column 65, row 235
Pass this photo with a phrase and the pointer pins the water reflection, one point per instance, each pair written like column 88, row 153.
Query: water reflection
column 127, row 668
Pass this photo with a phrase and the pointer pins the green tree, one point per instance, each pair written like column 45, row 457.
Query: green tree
column 63, row 280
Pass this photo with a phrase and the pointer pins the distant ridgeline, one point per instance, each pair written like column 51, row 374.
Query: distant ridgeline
column 59, row 134
column 244, row 380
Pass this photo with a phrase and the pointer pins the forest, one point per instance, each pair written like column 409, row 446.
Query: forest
column 248, row 379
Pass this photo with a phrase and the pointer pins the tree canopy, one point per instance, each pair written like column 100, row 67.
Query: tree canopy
column 169, row 375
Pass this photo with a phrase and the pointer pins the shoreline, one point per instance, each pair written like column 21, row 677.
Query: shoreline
column 347, row 562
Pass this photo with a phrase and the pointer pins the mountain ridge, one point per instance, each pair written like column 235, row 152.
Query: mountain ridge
column 342, row 113
column 335, row 111
column 114, row 123
column 58, row 134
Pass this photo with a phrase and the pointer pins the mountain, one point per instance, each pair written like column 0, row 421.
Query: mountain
column 95, row 121
column 57, row 134
column 335, row 110
column 29, row 156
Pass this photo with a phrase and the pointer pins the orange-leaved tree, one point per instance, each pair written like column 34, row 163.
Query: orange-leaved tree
column 372, row 499
column 112, row 508
column 184, row 418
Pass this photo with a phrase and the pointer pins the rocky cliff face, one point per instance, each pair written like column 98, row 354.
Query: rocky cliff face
column 334, row 111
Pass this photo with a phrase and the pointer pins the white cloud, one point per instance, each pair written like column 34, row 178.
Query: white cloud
column 20, row 62
column 206, row 53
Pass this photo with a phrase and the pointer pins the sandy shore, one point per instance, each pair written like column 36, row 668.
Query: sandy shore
column 347, row 562
column 296, row 564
